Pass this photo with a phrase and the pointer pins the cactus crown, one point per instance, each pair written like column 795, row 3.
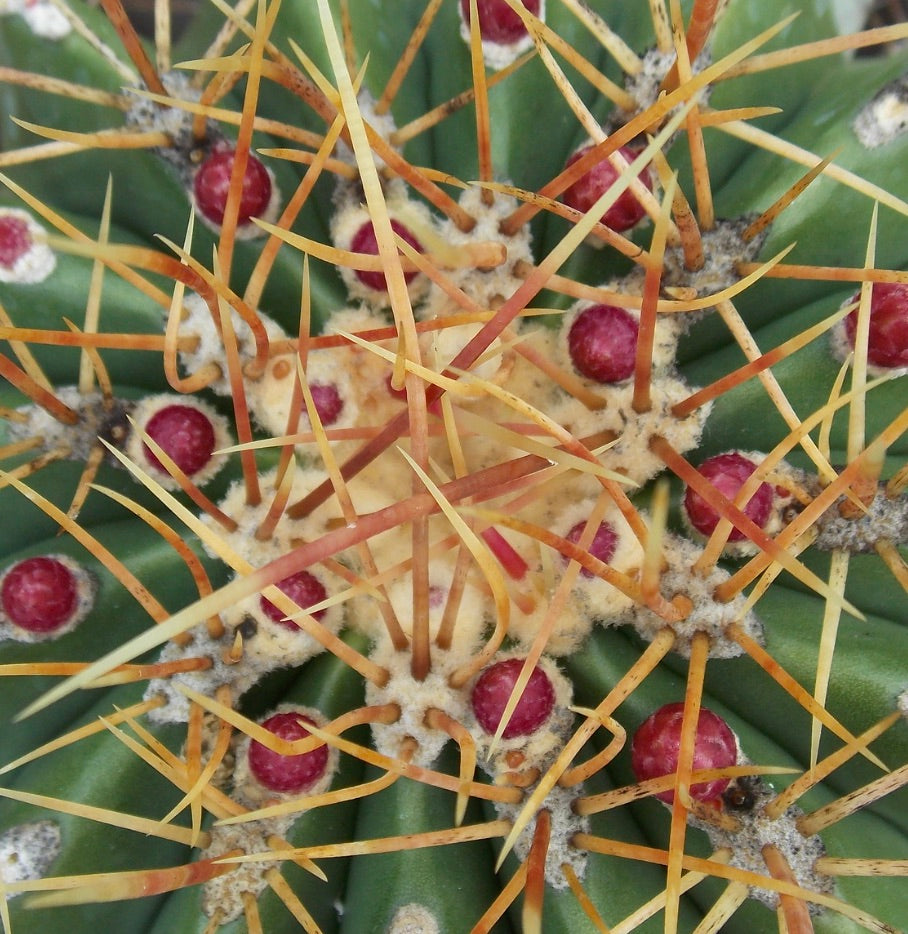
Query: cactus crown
column 371, row 425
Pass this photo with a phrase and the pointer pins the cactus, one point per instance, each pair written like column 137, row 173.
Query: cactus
column 317, row 472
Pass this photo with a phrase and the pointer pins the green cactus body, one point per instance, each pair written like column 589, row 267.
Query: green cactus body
column 463, row 534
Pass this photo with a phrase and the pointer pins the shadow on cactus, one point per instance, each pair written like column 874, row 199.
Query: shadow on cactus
column 453, row 469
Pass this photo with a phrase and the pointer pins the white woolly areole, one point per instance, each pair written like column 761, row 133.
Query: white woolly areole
column 415, row 699
column 382, row 124
column 885, row 519
column 591, row 598
column 265, row 649
column 97, row 418
column 413, row 919
column 268, row 643
column 630, row 455
column 486, row 287
column 565, row 824
column 86, row 586
column 885, row 117
column 38, row 261
column 240, row 676
column 250, row 792
column 707, row 615
column 367, row 372
column 724, row 247
column 757, row 830
column 287, row 533
column 147, row 408
column 270, row 396
column 646, row 85
column 597, row 596
column 498, row 55
column 274, row 644
column 43, row 18
column 198, row 322
column 267, row 646
column 27, row 851
column 351, row 214
column 223, row 895
column 494, row 365
column 152, row 117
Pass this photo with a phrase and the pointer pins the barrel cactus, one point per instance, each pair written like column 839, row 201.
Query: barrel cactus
column 359, row 359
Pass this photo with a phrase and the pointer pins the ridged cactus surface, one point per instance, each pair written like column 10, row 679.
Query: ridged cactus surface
column 453, row 468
